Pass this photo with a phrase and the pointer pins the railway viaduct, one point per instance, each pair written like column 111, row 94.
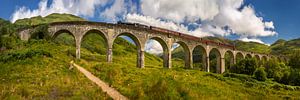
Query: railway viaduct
column 140, row 35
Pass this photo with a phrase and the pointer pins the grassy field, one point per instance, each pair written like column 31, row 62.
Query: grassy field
column 40, row 70
column 156, row 82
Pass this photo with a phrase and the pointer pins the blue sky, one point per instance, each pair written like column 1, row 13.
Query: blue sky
column 284, row 14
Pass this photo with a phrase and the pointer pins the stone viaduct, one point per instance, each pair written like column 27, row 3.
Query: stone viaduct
column 140, row 35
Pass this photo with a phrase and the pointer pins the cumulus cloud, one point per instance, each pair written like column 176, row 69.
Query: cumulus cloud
column 153, row 47
column 245, row 39
column 179, row 11
column 117, row 9
column 215, row 16
column 76, row 7
column 251, row 40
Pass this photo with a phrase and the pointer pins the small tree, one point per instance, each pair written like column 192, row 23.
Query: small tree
column 260, row 74
column 295, row 59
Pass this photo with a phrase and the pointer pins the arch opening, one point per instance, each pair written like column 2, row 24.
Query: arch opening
column 94, row 46
column 239, row 57
column 215, row 61
column 264, row 59
column 257, row 57
column 158, row 47
column 124, row 45
column 180, row 55
column 248, row 56
column 64, row 37
column 199, row 58
column 229, row 60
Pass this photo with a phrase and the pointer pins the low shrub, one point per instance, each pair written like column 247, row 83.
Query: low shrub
column 260, row 74
column 245, row 66
column 21, row 55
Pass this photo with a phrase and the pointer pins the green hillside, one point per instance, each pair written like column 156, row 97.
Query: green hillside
column 39, row 69
column 48, row 19
column 252, row 47
column 285, row 47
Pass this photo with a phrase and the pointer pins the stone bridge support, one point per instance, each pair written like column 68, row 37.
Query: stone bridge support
column 78, row 44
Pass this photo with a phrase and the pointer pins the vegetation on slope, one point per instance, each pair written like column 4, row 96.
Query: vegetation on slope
column 285, row 47
column 46, row 66
column 40, row 70
column 48, row 19
column 155, row 82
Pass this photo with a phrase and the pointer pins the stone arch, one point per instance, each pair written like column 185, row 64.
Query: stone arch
column 163, row 43
column 135, row 39
column 187, row 56
column 97, row 32
column 229, row 60
column 264, row 58
column 137, row 42
column 218, row 60
column 279, row 59
column 257, row 57
column 38, row 35
column 271, row 57
column 248, row 56
column 57, row 33
column 239, row 56
column 200, row 56
column 76, row 39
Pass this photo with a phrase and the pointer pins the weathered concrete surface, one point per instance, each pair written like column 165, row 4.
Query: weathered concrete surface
column 140, row 35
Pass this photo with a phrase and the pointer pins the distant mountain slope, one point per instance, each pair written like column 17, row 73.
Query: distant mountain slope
column 252, row 47
column 285, row 47
column 48, row 19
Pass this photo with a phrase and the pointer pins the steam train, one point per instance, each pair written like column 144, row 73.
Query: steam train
column 170, row 32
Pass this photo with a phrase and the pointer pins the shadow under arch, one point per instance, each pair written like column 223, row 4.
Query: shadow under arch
column 215, row 60
column 199, row 57
column 239, row 56
column 264, row 58
column 229, row 59
column 257, row 57
column 248, row 56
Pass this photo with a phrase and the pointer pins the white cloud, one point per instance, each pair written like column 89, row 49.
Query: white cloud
column 76, row 7
column 153, row 47
column 245, row 39
column 214, row 14
column 269, row 25
column 243, row 23
column 179, row 11
column 217, row 18
column 118, row 8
